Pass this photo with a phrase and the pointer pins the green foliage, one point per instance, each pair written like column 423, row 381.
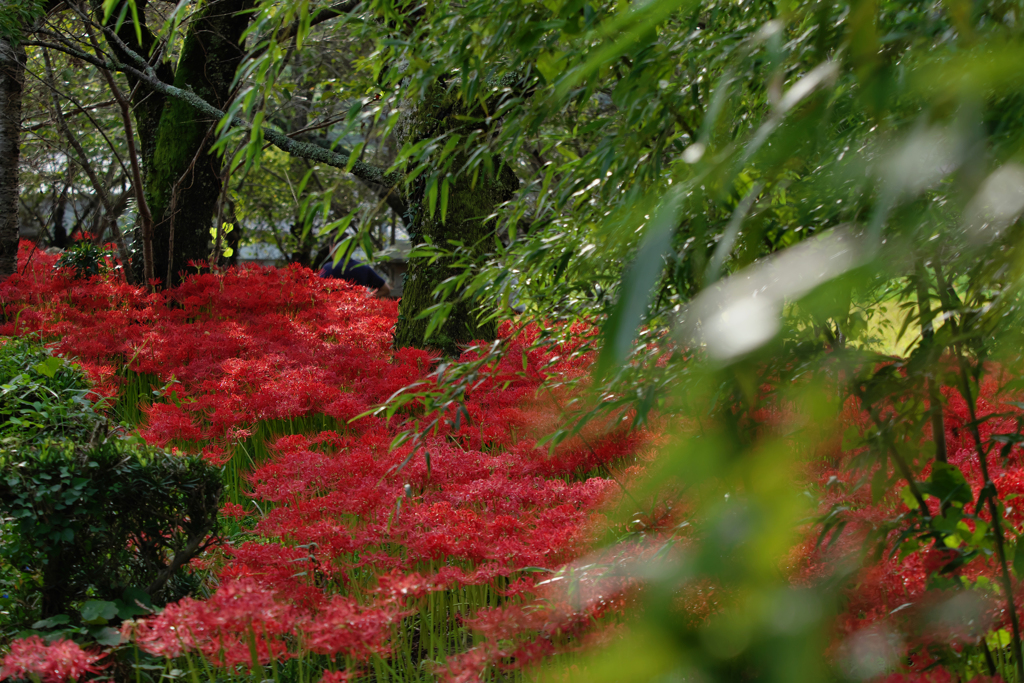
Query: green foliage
column 225, row 229
column 41, row 396
column 89, row 513
column 83, row 259
column 17, row 15
column 95, row 521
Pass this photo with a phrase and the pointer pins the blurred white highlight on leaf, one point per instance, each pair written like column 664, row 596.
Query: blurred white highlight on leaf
column 926, row 157
column 693, row 153
column 823, row 73
column 870, row 652
column 998, row 203
column 742, row 312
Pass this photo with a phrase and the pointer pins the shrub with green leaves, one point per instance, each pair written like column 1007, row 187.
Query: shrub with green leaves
column 89, row 515
column 83, row 260
column 93, row 522
column 41, row 395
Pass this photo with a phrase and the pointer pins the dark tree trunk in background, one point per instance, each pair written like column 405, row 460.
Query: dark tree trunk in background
column 60, row 232
column 469, row 205
column 320, row 257
column 12, row 82
column 182, row 179
column 302, row 254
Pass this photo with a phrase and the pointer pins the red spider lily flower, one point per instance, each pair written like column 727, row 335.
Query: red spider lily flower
column 233, row 510
column 343, row 627
column 397, row 586
column 239, row 618
column 56, row 662
column 339, row 676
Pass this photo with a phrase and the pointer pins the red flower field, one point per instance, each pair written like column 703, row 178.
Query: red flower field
column 342, row 540
column 475, row 552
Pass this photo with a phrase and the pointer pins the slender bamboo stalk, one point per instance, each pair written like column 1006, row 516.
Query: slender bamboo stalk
column 933, row 354
column 989, row 493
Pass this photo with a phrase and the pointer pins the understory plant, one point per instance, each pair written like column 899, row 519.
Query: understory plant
column 97, row 525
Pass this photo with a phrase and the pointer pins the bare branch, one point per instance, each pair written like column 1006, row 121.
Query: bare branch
column 145, row 73
column 68, row 114
column 83, row 158
column 145, row 217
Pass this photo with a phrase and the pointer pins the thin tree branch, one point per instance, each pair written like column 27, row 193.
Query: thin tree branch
column 68, row 114
column 83, row 159
column 145, row 217
column 333, row 12
column 51, row 84
column 360, row 169
column 191, row 549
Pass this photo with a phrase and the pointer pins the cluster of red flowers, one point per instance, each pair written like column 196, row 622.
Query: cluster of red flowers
column 353, row 536
column 246, row 620
column 56, row 662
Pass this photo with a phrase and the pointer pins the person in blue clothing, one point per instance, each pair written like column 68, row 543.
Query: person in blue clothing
column 359, row 273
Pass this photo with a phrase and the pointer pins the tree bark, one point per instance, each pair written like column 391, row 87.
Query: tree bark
column 182, row 178
column 469, row 206
column 60, row 203
column 12, row 82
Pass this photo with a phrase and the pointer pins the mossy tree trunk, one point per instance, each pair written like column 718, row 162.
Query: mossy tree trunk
column 182, row 179
column 471, row 200
column 12, row 81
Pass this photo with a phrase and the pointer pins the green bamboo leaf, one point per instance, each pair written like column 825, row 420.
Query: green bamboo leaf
column 638, row 283
column 431, row 196
column 337, row 227
column 449, row 146
column 108, row 8
column 444, row 199
column 627, row 28
column 343, row 250
column 366, row 243
column 305, row 17
column 354, row 157
column 135, row 20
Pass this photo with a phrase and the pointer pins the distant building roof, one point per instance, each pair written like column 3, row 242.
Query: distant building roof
column 261, row 252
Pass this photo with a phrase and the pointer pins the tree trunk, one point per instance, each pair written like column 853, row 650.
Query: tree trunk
column 12, row 82
column 182, row 179
column 60, row 232
column 303, row 252
column 469, row 205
